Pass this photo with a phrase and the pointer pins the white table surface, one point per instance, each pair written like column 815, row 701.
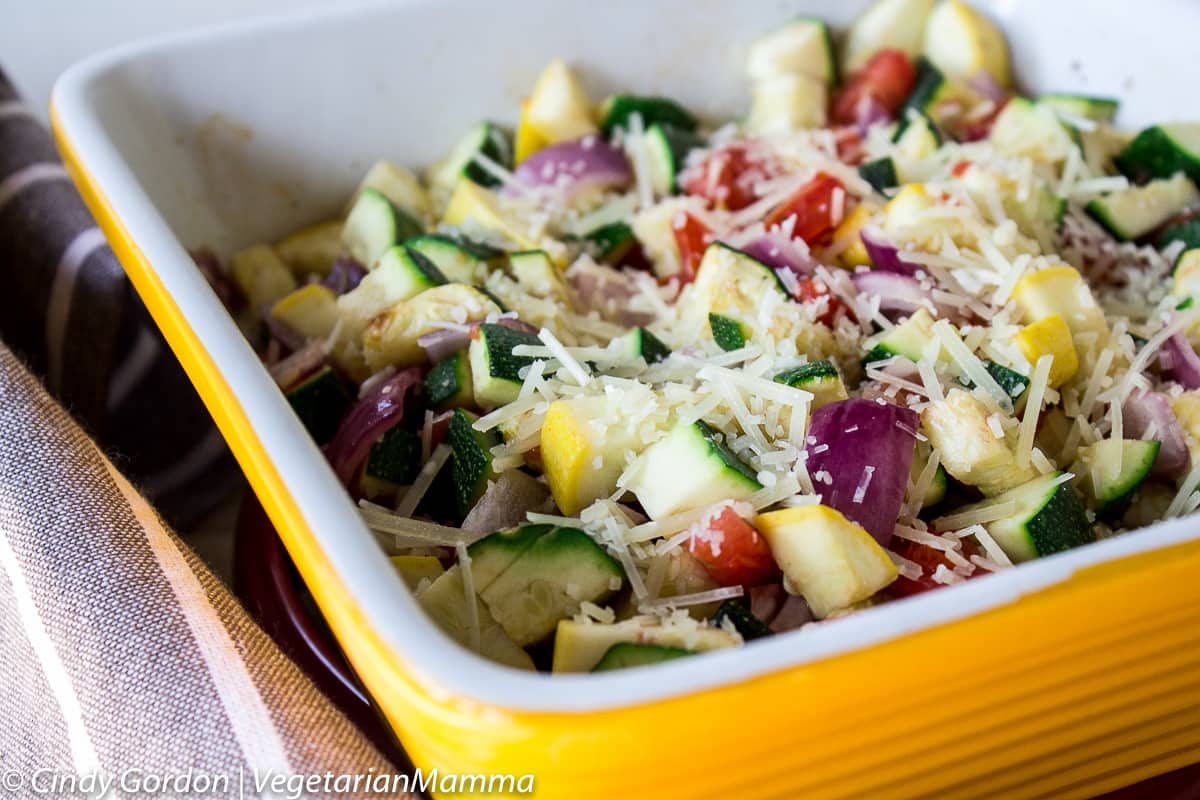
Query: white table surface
column 46, row 36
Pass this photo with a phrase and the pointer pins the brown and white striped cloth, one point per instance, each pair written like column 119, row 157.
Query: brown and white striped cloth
column 121, row 655
column 68, row 310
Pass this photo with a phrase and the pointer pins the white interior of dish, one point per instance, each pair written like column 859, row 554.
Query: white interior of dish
column 236, row 135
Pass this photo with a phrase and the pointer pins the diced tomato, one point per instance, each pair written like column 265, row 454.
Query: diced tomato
column 813, row 207
column 727, row 176
column 810, row 290
column 888, row 78
column 692, row 237
column 732, row 551
column 960, row 169
column 929, row 559
column 849, row 145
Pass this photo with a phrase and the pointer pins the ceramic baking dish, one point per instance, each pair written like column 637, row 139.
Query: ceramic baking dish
column 1068, row 676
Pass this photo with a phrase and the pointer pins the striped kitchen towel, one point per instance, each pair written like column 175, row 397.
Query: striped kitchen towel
column 67, row 309
column 123, row 659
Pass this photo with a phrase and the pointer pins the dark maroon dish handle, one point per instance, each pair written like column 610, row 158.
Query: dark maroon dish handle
column 266, row 582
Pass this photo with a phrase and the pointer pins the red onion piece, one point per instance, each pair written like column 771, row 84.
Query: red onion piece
column 210, row 267
column 1138, row 412
column 603, row 289
column 885, row 256
column 371, row 417
column 589, row 163
column 299, row 365
column 869, row 111
column 794, row 613
column 444, row 342
column 290, row 339
column 344, row 275
column 984, row 83
column 779, row 252
column 900, row 293
column 766, row 600
column 515, row 324
column 1179, row 358
column 505, row 502
column 859, row 456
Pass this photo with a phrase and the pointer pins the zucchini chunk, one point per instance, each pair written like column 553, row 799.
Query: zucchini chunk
column 907, row 339
column 1136, row 211
column 624, row 655
column 668, row 148
column 579, row 646
column 392, row 462
column 958, row 427
column 495, row 371
column 320, row 402
column 375, row 224
column 1161, row 151
column 616, row 111
column 819, row 377
column 1025, row 128
column 803, row 46
column 1097, row 109
column 1185, row 230
column 728, row 333
column 448, row 383
column 1048, row 517
column 749, row 626
column 401, row 187
column 485, row 139
column 459, row 260
column 916, row 136
column 689, row 469
column 880, row 173
column 547, row 583
column 471, row 459
column 1111, row 470
column 786, row 103
column 641, row 342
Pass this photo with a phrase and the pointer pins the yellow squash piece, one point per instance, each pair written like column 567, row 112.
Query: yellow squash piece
column 787, row 102
column 1050, row 336
column 906, row 220
column 833, row 562
column 261, row 275
column 1062, row 290
column 310, row 311
column 559, row 108
column 583, row 456
column 312, row 249
column 1187, row 411
column 391, row 337
column 851, row 228
column 527, row 140
column 894, row 24
column 414, row 569
column 472, row 202
column 960, row 41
